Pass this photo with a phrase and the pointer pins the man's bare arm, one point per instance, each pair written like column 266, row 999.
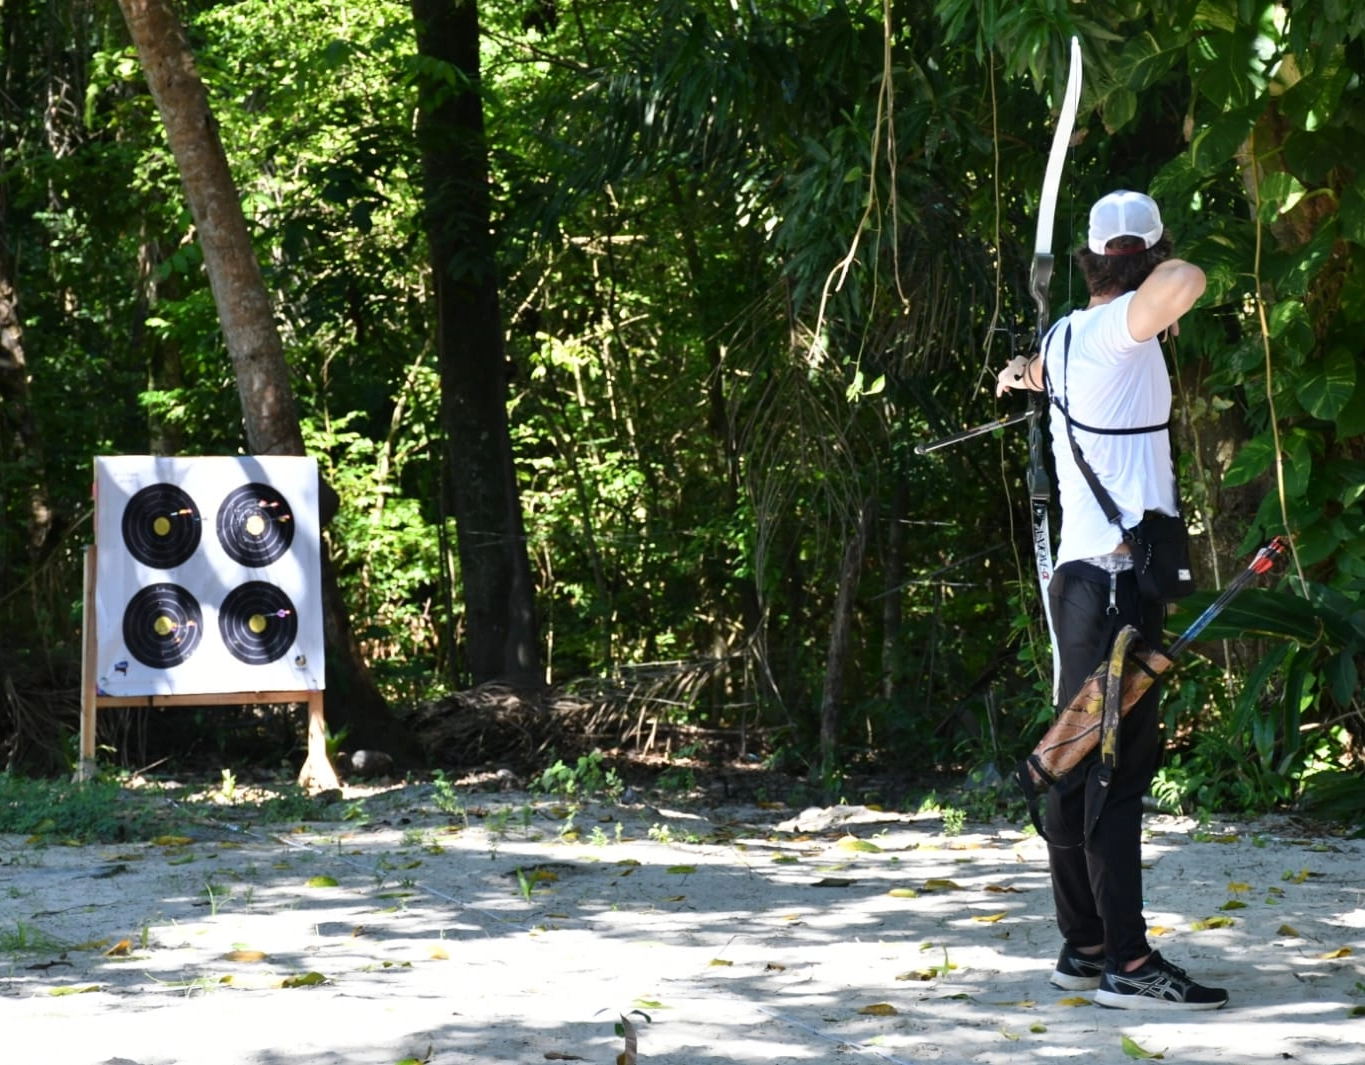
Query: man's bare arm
column 1169, row 291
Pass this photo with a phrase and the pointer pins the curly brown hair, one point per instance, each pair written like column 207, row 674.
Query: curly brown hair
column 1115, row 274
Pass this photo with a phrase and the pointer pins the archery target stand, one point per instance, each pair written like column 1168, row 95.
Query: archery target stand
column 202, row 589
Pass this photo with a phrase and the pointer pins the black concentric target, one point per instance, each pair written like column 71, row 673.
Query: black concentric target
column 161, row 526
column 258, row 623
column 162, row 625
column 255, row 525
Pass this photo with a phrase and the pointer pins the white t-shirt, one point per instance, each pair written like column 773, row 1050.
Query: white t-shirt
column 1112, row 382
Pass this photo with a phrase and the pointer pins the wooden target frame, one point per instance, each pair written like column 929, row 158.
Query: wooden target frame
column 204, row 576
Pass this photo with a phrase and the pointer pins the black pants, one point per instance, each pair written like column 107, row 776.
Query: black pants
column 1097, row 883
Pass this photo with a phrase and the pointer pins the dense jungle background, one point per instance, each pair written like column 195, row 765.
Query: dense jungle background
column 615, row 326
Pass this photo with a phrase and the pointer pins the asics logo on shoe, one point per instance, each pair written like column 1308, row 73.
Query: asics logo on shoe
column 1162, row 986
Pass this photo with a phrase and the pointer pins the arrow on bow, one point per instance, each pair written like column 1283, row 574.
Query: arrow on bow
column 1040, row 281
column 1040, row 273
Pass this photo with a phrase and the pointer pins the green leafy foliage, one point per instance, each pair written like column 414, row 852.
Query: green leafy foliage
column 96, row 811
column 1281, row 726
column 587, row 778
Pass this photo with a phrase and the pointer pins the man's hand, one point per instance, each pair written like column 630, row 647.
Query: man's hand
column 1012, row 376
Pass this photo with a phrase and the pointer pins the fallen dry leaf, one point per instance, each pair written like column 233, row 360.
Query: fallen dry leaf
column 246, row 956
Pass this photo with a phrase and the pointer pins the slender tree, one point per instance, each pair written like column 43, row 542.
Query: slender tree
column 20, row 446
column 249, row 331
column 19, row 442
column 501, row 638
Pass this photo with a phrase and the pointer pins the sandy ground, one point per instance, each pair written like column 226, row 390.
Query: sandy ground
column 740, row 934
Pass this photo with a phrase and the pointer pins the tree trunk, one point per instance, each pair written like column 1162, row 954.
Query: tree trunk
column 244, row 310
column 21, row 454
column 253, row 342
column 893, row 569
column 719, row 573
column 831, row 702
column 495, row 571
column 19, row 446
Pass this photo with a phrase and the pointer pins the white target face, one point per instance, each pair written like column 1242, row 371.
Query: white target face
column 207, row 575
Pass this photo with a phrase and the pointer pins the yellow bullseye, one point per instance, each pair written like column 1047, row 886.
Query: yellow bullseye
column 164, row 625
column 162, row 525
column 255, row 525
column 256, row 623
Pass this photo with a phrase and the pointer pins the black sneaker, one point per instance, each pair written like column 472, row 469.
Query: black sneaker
column 1157, row 985
column 1076, row 971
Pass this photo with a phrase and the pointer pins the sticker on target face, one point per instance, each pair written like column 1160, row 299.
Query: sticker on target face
column 207, row 575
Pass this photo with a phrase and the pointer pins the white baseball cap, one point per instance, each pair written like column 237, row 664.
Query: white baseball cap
column 1124, row 214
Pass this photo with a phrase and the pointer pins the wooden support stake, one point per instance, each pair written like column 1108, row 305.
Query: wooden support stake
column 85, row 766
column 318, row 773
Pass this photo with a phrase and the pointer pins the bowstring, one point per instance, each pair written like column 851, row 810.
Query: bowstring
column 996, row 237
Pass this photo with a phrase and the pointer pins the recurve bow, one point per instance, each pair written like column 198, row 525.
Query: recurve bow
column 1040, row 281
